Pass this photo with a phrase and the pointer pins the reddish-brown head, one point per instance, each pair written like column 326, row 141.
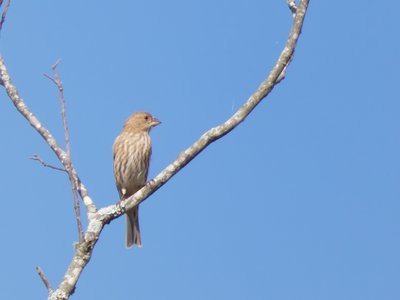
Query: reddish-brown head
column 140, row 122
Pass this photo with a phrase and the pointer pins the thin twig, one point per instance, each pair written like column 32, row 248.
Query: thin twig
column 74, row 184
column 44, row 279
column 3, row 15
column 292, row 6
column 49, row 77
column 44, row 164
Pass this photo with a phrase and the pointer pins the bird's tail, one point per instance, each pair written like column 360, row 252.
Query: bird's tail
column 132, row 228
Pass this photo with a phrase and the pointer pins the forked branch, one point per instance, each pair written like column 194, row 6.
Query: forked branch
column 45, row 134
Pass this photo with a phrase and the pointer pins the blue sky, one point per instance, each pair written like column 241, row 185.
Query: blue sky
column 299, row 202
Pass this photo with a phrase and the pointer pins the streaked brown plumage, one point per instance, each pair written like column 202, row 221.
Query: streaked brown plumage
column 132, row 151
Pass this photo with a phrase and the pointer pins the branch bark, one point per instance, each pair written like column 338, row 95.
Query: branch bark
column 98, row 218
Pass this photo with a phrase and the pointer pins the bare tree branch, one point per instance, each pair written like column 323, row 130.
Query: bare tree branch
column 44, row 164
column 97, row 219
column 46, row 135
column 44, row 279
column 3, row 15
column 73, row 179
column 218, row 132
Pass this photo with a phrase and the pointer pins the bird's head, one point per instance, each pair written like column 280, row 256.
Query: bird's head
column 140, row 122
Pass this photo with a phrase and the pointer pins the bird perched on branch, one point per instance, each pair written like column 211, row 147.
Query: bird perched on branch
column 132, row 151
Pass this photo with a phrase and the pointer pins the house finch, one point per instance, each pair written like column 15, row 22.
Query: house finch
column 132, row 151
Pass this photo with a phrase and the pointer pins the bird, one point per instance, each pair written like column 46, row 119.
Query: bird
column 131, row 158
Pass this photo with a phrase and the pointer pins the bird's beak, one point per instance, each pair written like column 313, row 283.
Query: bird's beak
column 154, row 122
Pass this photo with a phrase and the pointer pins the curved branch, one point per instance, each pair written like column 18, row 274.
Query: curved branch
column 275, row 76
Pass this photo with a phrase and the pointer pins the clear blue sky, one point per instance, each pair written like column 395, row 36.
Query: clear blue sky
column 301, row 201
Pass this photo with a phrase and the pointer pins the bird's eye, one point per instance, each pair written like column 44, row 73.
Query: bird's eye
column 146, row 118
